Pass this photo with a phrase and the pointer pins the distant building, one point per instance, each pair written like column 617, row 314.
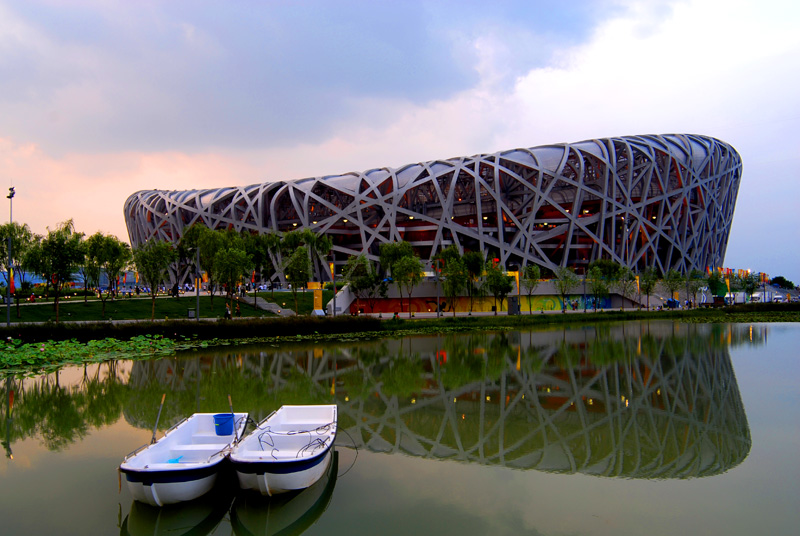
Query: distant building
column 663, row 201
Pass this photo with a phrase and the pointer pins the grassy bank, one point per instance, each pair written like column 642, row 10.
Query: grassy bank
column 212, row 327
column 74, row 309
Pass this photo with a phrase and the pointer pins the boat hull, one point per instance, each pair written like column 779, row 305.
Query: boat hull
column 289, row 513
column 270, row 478
column 289, row 450
column 183, row 465
column 169, row 487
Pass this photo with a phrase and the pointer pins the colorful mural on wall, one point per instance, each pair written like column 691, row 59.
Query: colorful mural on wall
column 485, row 305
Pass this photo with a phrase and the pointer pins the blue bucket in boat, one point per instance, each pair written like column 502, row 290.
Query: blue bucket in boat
column 223, row 423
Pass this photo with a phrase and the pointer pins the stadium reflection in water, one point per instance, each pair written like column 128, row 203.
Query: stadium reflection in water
column 633, row 401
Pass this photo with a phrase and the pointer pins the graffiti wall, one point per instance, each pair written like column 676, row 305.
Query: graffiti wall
column 485, row 304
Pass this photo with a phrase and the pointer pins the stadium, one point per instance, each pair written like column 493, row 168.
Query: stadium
column 663, row 201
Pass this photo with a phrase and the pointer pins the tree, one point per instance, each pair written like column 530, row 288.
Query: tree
column 608, row 268
column 364, row 280
column 407, row 273
column 565, row 281
column 399, row 260
column 456, row 278
column 152, row 260
column 782, row 282
column 625, row 283
column 257, row 247
column 60, row 253
column 598, row 285
column 22, row 240
column 297, row 270
column 199, row 240
column 499, row 283
column 450, row 267
column 672, row 282
column 209, row 242
column 232, row 263
column 90, row 269
column 115, row 256
column 272, row 241
column 391, row 252
column 531, row 276
column 750, row 283
column 475, row 263
column 716, row 284
column 107, row 253
column 188, row 245
column 648, row 280
column 695, row 280
column 609, row 272
column 319, row 246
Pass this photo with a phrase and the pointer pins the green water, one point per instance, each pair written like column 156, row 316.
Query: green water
column 641, row 428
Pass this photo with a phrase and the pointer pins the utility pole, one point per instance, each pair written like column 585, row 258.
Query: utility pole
column 10, row 196
column 197, row 285
column 333, row 279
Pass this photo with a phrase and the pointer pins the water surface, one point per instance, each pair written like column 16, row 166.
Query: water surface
column 636, row 428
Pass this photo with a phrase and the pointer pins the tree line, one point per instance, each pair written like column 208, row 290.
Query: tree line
column 228, row 258
column 64, row 255
column 477, row 276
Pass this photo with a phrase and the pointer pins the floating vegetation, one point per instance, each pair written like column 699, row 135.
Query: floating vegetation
column 19, row 356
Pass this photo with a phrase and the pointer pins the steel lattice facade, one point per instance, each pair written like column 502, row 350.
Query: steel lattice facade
column 662, row 201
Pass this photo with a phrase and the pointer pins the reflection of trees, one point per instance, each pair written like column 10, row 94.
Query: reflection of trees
column 471, row 359
column 403, row 377
column 63, row 414
column 106, row 395
column 50, row 410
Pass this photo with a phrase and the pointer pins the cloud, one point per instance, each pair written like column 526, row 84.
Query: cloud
column 91, row 189
column 155, row 76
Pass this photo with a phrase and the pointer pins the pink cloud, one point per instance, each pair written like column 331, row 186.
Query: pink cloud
column 92, row 188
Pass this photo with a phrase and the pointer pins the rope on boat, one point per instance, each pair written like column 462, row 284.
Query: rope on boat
column 314, row 443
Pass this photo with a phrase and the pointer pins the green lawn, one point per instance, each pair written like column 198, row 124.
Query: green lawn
column 74, row 309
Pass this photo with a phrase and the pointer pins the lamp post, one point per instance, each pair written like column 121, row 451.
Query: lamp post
column 584, row 289
column 333, row 280
column 436, row 276
column 197, row 285
column 10, row 196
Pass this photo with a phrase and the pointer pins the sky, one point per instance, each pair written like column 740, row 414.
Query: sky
column 102, row 98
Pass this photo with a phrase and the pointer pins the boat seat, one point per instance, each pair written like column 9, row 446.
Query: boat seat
column 211, row 447
column 211, row 439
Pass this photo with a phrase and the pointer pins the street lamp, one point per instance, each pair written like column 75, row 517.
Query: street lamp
column 584, row 289
column 333, row 280
column 10, row 197
column 436, row 277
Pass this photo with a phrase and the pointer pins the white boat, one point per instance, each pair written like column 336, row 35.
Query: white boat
column 289, row 450
column 288, row 513
column 183, row 464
